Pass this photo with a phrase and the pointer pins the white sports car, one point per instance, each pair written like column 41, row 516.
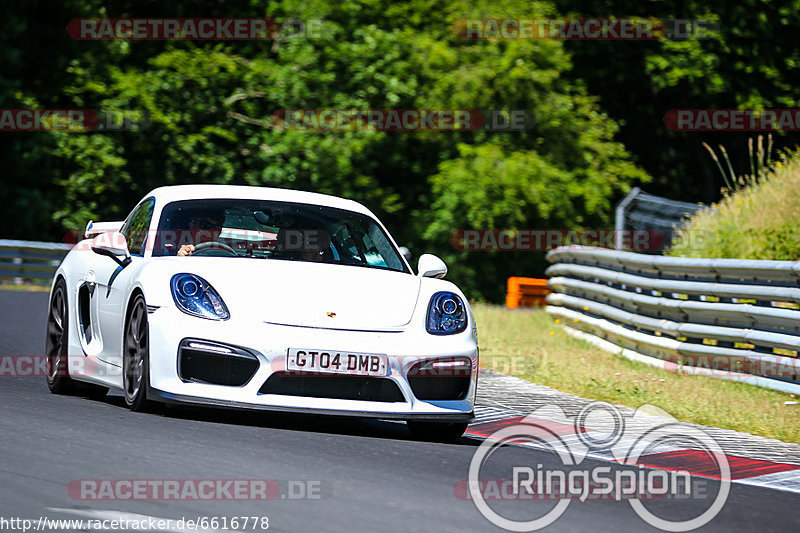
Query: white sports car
column 258, row 298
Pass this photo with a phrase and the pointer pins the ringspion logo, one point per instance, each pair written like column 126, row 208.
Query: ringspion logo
column 600, row 428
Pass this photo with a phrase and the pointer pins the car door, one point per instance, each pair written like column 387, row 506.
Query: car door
column 112, row 282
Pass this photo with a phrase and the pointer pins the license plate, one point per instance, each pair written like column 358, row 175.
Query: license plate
column 336, row 362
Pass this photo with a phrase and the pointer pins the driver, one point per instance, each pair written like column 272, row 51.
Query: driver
column 205, row 226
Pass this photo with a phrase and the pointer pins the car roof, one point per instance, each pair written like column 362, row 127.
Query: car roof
column 174, row 193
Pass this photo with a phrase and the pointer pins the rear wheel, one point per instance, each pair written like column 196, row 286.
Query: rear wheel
column 56, row 345
column 436, row 431
column 135, row 358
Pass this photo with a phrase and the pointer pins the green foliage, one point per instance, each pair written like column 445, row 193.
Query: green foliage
column 209, row 106
column 749, row 62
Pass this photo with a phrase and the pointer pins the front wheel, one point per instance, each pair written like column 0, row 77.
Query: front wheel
column 436, row 431
column 135, row 359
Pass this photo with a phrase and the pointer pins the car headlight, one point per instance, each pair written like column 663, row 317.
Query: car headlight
column 195, row 296
column 446, row 314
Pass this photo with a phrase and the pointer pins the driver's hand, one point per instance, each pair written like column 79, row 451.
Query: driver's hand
column 186, row 249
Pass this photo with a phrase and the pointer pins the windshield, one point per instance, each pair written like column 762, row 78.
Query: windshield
column 275, row 230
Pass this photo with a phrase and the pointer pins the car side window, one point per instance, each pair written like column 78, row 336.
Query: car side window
column 136, row 227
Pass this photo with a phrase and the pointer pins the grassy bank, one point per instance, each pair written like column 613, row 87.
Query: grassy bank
column 24, row 287
column 758, row 220
column 528, row 344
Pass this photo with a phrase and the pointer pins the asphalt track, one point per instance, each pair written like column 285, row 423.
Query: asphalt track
column 373, row 476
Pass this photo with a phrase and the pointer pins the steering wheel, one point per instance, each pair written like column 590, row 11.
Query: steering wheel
column 214, row 245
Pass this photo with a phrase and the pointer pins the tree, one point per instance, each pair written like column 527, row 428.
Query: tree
column 209, row 107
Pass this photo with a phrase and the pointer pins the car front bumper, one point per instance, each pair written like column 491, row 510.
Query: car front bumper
column 269, row 343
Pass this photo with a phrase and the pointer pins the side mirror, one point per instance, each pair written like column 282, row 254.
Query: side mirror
column 113, row 245
column 430, row 266
column 93, row 229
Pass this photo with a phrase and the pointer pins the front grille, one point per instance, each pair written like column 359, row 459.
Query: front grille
column 432, row 384
column 335, row 387
column 203, row 366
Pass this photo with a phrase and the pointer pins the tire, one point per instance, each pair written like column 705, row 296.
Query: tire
column 56, row 343
column 436, row 431
column 135, row 357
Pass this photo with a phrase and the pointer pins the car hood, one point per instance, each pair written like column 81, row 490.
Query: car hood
column 308, row 294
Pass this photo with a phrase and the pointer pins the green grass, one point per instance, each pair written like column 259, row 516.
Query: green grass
column 529, row 344
column 757, row 220
column 30, row 288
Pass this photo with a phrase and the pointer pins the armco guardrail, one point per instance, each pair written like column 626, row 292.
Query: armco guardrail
column 30, row 261
column 642, row 211
column 728, row 318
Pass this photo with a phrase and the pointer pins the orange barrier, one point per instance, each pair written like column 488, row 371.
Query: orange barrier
column 526, row 292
